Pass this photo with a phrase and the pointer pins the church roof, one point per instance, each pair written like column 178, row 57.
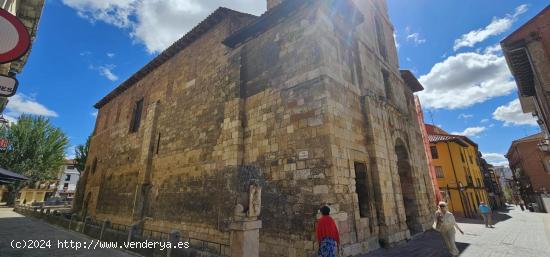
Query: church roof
column 196, row 33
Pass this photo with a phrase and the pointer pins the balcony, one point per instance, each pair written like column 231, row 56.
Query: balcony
column 544, row 145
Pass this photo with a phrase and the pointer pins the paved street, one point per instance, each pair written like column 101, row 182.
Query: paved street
column 516, row 234
column 17, row 227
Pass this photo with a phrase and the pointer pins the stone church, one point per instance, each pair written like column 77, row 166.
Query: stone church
column 306, row 101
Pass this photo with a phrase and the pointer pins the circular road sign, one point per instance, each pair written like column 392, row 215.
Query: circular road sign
column 14, row 37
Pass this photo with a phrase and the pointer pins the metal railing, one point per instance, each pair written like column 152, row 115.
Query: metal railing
column 96, row 228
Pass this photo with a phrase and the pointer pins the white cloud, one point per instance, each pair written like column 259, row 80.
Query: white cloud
column 395, row 39
column 23, row 104
column 496, row 27
column 106, row 71
column 471, row 132
column 484, row 120
column 496, row 159
column 416, row 38
column 511, row 114
column 94, row 114
column 466, row 79
column 494, row 49
column 157, row 23
column 70, row 152
column 110, row 55
column 465, row 116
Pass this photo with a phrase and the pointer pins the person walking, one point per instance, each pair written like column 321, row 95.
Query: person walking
column 521, row 205
column 445, row 223
column 327, row 234
column 487, row 214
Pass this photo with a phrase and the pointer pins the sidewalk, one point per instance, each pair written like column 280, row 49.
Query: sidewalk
column 516, row 234
column 14, row 226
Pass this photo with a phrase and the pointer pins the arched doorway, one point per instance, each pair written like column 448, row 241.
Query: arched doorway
column 407, row 187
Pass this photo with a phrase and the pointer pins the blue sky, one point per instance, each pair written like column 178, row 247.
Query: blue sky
column 85, row 48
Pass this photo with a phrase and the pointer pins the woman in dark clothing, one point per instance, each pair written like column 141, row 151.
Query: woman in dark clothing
column 327, row 234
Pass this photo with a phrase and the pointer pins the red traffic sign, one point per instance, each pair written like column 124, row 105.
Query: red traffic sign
column 8, row 86
column 14, row 37
column 4, row 144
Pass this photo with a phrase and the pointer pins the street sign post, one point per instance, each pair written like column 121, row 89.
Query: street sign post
column 8, row 86
column 14, row 37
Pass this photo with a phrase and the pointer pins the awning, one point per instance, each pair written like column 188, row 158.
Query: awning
column 7, row 176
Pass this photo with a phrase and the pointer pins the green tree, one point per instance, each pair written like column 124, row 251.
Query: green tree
column 81, row 154
column 37, row 148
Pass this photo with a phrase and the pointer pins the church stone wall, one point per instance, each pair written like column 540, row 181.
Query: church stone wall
column 293, row 109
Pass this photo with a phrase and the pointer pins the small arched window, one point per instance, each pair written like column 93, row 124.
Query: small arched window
column 94, row 165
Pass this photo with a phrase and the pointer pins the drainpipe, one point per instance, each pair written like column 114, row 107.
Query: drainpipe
column 456, row 178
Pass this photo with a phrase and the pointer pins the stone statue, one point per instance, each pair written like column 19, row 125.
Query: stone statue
column 238, row 211
column 254, row 200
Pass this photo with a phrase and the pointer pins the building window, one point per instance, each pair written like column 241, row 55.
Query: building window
column 66, row 185
column 470, row 157
column 68, row 177
column 439, row 172
column 70, row 167
column 435, row 154
column 94, row 165
column 136, row 116
column 381, row 38
column 387, row 84
column 462, row 156
column 361, row 188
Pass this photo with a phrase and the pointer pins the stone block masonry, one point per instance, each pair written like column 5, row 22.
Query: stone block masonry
column 306, row 101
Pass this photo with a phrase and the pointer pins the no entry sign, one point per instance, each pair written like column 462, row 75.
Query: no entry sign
column 14, row 37
column 8, row 86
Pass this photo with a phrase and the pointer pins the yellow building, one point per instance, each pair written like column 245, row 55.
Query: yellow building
column 3, row 193
column 458, row 172
column 38, row 193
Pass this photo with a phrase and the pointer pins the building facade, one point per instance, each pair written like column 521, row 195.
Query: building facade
column 458, row 171
column 306, row 101
column 426, row 140
column 530, row 168
column 527, row 51
column 67, row 181
column 491, row 180
column 505, row 178
column 38, row 193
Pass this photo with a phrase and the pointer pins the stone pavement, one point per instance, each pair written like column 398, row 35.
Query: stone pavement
column 518, row 234
column 17, row 227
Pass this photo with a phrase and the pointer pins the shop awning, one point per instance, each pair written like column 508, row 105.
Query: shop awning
column 7, row 176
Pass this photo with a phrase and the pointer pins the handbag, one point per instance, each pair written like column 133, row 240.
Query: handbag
column 437, row 223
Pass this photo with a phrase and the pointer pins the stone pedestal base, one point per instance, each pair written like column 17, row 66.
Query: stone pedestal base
column 245, row 238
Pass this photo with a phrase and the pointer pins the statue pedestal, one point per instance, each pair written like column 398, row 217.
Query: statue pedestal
column 245, row 238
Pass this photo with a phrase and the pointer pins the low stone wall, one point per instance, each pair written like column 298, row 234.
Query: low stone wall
column 107, row 232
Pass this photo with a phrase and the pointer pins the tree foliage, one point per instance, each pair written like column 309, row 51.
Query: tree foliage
column 81, row 154
column 37, row 148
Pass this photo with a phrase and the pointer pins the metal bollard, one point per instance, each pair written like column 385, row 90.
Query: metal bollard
column 86, row 221
column 134, row 230
column 106, row 224
column 174, row 238
column 73, row 217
